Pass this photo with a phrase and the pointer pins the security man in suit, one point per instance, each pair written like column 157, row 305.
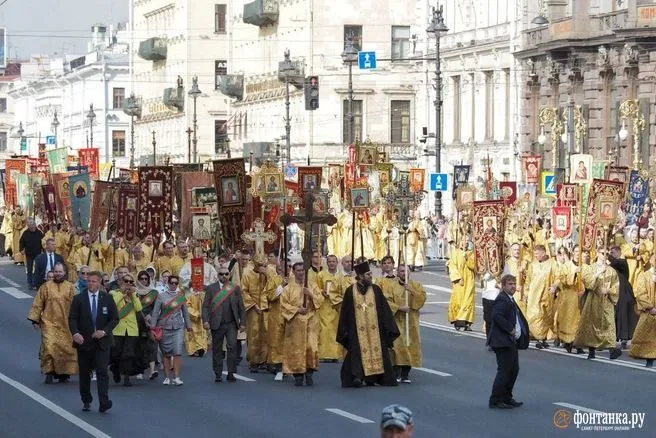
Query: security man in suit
column 224, row 314
column 45, row 262
column 92, row 319
column 507, row 334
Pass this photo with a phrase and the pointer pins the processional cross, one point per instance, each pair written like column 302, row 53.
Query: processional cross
column 259, row 236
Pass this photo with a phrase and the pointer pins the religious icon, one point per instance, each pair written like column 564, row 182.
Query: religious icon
column 580, row 165
column 490, row 224
column 359, row 198
column 230, row 191
column 131, row 204
column 309, row 182
column 80, row 190
column 63, row 189
column 201, row 227
column 417, row 179
column 561, row 223
column 155, row 188
column 384, row 177
column 367, row 155
column 273, row 183
column 320, row 203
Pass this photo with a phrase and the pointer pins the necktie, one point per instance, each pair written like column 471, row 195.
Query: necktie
column 52, row 261
column 94, row 310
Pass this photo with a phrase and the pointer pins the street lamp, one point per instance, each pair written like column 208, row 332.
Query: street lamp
column 91, row 116
column 541, row 19
column 350, row 56
column 624, row 133
column 194, row 93
column 438, row 27
column 55, row 125
column 285, row 68
column 133, row 109
column 542, row 138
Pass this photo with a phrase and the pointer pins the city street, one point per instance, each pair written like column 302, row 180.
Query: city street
column 448, row 396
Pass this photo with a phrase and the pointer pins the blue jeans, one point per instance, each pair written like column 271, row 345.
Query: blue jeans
column 29, row 268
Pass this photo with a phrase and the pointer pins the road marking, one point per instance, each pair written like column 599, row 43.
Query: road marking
column 429, row 371
column 437, row 274
column 430, row 294
column 9, row 280
column 14, row 292
column 438, row 288
column 350, row 416
column 577, row 408
column 243, row 378
column 478, row 335
column 54, row 408
column 437, row 302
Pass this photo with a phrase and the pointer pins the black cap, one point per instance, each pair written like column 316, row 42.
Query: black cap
column 362, row 268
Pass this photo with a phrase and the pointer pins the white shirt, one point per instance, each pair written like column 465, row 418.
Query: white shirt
column 49, row 266
column 518, row 326
column 97, row 294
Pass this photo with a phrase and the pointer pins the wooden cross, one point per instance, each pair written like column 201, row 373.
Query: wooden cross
column 258, row 236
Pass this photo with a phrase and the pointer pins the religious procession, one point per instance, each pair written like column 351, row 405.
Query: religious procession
column 281, row 263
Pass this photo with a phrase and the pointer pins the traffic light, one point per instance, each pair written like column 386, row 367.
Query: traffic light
column 311, row 93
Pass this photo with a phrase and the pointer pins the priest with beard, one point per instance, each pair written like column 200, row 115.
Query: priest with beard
column 367, row 331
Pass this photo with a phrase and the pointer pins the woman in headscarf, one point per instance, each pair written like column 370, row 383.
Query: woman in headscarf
column 146, row 347
column 163, row 284
column 81, row 283
column 171, row 315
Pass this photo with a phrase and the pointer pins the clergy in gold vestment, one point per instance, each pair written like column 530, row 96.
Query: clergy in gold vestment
column 114, row 256
column 138, row 262
column 540, row 288
column 89, row 254
column 597, row 327
column 411, row 297
column 367, row 241
column 256, row 286
column 568, row 313
column 512, row 267
column 461, row 274
column 301, row 346
column 417, row 236
column 643, row 344
column 166, row 261
column 328, row 285
column 18, row 223
column 345, row 278
column 276, row 322
column 636, row 256
column 49, row 312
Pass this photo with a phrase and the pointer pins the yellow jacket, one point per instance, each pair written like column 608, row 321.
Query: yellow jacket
column 128, row 323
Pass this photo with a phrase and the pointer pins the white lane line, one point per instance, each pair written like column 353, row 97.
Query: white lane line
column 429, row 371
column 9, row 280
column 438, row 288
column 430, row 294
column 54, row 408
column 349, row 415
column 437, row 274
column 437, row 302
column 478, row 335
column 242, row 378
column 14, row 292
column 577, row 408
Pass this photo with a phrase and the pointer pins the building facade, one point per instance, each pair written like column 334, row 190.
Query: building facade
column 172, row 42
column 315, row 32
column 585, row 59
column 6, row 113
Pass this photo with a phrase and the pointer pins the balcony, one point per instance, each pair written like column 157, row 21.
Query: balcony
column 232, row 86
column 174, row 98
column 153, row 49
column 261, row 12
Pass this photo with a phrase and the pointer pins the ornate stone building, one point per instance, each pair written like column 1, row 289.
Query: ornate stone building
column 596, row 55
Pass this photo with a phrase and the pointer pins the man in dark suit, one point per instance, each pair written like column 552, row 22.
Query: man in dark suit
column 45, row 262
column 508, row 333
column 224, row 314
column 92, row 318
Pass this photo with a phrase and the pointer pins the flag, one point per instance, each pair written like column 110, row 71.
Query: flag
column 80, row 196
column 57, row 160
column 89, row 157
column 49, row 202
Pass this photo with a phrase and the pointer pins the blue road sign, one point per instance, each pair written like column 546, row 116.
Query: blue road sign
column 51, row 140
column 549, row 186
column 439, row 182
column 366, row 60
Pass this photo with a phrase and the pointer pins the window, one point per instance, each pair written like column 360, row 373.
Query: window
column 220, row 69
column 220, row 136
column 119, row 97
column 3, row 141
column 219, row 18
column 118, row 143
column 357, row 121
column 456, row 109
column 400, row 42
column 356, row 32
column 489, row 105
column 3, row 105
column 400, row 118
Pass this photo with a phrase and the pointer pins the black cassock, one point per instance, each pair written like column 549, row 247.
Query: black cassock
column 625, row 317
column 347, row 336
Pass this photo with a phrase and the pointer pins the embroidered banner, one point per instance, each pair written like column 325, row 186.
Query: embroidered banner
column 57, row 160
column 417, row 180
column 460, row 177
column 13, row 168
column 89, row 157
column 127, row 212
column 600, row 189
column 617, row 174
column 508, row 191
column 62, row 195
column 23, row 193
column 198, row 274
column 526, row 197
column 531, row 166
column 190, row 181
column 49, row 202
column 567, row 194
column 309, row 178
column 155, row 201
column 80, row 196
column 35, row 181
column 488, row 232
column 102, row 197
column 638, row 193
column 598, row 169
column 230, row 185
column 561, row 222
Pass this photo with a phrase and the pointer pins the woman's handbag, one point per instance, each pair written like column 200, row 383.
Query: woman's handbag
column 156, row 333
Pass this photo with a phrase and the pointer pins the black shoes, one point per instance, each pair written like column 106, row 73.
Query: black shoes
column 568, row 347
column 650, row 363
column 591, row 353
column 105, row 408
column 49, row 379
column 308, row 379
column 86, row 407
column 615, row 353
column 514, row 403
column 117, row 377
column 500, row 405
column 231, row 377
column 298, row 380
column 218, row 378
column 126, row 381
column 357, row 383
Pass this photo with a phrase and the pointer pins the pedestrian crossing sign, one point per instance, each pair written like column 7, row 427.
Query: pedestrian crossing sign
column 548, row 183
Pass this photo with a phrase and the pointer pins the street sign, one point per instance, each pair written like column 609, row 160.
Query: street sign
column 366, row 60
column 548, row 183
column 51, row 140
column 23, row 144
column 439, row 182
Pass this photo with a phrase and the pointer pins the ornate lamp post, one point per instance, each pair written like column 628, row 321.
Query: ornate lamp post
column 350, row 56
column 91, row 115
column 630, row 109
column 55, row 125
column 285, row 68
column 133, row 111
column 194, row 93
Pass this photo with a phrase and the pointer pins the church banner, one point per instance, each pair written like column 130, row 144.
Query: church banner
column 62, row 195
column 189, row 181
column 488, row 233
column 23, row 193
column 197, row 274
column 460, row 177
column 561, row 222
column 598, row 169
column 155, row 201
column 230, row 185
column 531, row 166
column 600, row 189
column 638, row 193
column 127, row 225
column 508, row 191
column 103, row 194
column 89, row 157
column 13, row 168
column 567, row 194
column 57, row 160
column 49, row 202
column 80, row 196
column 36, row 180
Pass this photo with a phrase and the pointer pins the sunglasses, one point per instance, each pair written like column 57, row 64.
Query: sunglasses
column 84, row 273
column 223, row 274
column 128, row 281
column 173, row 283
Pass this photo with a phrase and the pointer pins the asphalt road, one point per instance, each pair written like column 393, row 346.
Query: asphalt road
column 448, row 396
